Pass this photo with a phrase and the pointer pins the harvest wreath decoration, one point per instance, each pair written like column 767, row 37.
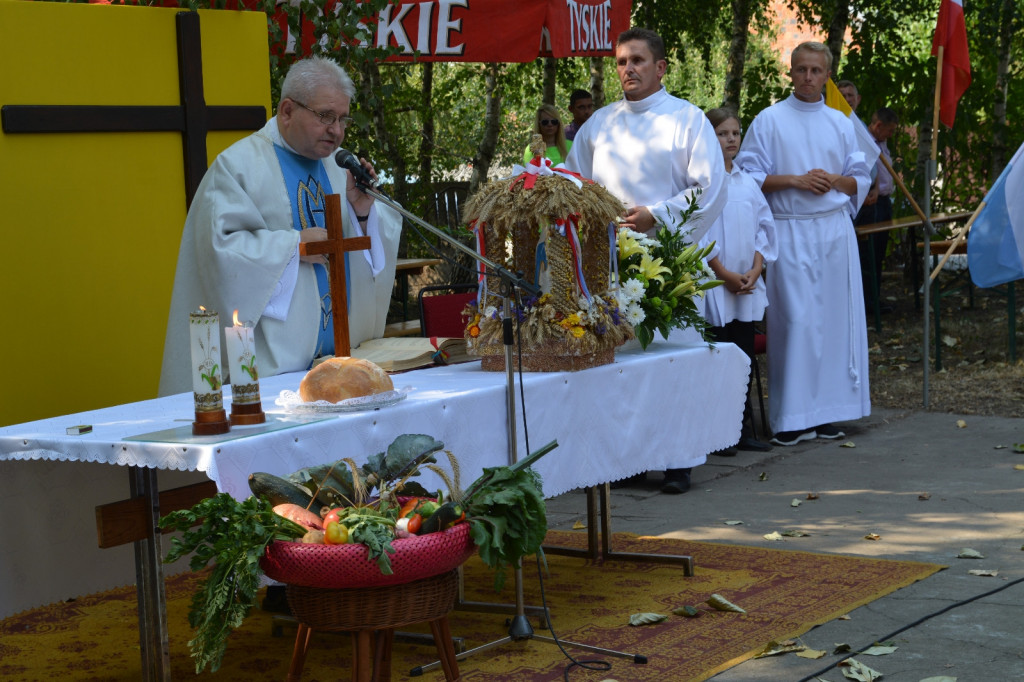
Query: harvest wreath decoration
column 339, row 525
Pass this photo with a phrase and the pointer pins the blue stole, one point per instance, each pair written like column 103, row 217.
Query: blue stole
column 307, row 184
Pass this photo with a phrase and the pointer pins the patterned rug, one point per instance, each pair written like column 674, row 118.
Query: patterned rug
column 784, row 593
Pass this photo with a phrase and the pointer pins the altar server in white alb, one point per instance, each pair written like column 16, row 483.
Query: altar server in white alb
column 744, row 242
column 656, row 153
column 650, row 149
column 806, row 159
column 263, row 196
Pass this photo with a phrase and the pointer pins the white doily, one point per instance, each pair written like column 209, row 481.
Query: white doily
column 292, row 402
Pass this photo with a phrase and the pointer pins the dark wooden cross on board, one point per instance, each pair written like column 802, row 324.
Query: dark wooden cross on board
column 335, row 246
column 192, row 118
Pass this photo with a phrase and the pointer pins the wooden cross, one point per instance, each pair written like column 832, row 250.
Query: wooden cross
column 192, row 118
column 335, row 246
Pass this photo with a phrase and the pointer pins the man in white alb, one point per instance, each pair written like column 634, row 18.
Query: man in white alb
column 655, row 152
column 262, row 197
column 806, row 159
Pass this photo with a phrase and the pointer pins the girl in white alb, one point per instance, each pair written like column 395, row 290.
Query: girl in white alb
column 744, row 236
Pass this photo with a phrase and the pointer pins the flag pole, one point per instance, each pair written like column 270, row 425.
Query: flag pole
column 931, row 172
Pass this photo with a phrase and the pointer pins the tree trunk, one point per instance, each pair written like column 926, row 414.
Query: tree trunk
column 597, row 81
column 371, row 89
column 549, row 81
column 1008, row 23
column 427, row 138
column 837, row 32
column 737, row 53
column 492, row 126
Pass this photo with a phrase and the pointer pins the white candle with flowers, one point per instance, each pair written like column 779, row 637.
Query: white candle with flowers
column 204, row 331
column 245, row 378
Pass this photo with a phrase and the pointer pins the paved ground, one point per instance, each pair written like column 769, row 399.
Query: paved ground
column 975, row 499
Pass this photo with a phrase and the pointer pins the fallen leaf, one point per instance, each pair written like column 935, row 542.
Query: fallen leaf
column 777, row 648
column 998, row 447
column 646, row 618
column 774, row 535
column 763, row 476
column 794, row 503
column 848, row 444
column 795, row 534
column 872, row 536
column 853, row 669
column 984, row 572
column 1018, row 467
column 734, row 523
column 879, row 650
column 949, row 340
column 968, row 553
column 812, row 496
column 687, row 611
column 924, row 496
column 842, row 648
column 940, row 678
column 578, row 525
column 717, row 601
column 845, row 616
column 1018, row 447
column 961, row 424
column 810, row 653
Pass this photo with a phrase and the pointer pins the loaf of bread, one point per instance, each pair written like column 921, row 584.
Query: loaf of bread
column 343, row 378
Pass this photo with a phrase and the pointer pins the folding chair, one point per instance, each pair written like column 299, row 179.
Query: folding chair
column 441, row 307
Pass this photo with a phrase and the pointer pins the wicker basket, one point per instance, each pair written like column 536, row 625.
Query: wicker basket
column 349, row 566
column 374, row 608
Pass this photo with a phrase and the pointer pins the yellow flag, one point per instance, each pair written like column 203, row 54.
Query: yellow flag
column 865, row 140
column 835, row 99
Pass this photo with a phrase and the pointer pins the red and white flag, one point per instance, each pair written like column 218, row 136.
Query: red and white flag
column 951, row 34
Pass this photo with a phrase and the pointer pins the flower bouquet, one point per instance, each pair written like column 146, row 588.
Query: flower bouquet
column 661, row 280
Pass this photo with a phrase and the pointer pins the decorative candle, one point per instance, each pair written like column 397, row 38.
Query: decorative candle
column 244, row 377
column 204, row 330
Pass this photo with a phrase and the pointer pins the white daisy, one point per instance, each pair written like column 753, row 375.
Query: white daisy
column 635, row 314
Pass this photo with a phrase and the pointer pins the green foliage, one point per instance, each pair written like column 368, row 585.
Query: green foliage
column 233, row 536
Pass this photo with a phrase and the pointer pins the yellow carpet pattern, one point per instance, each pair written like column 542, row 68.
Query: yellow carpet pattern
column 785, row 593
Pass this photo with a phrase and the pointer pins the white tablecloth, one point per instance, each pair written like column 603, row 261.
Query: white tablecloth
column 666, row 407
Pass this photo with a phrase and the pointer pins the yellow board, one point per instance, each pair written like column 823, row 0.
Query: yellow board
column 91, row 222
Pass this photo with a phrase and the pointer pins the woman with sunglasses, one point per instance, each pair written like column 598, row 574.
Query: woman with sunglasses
column 548, row 125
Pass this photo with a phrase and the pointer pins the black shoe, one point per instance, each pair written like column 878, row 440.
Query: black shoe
column 677, row 481
column 828, row 432
column 727, row 452
column 752, row 444
column 793, row 437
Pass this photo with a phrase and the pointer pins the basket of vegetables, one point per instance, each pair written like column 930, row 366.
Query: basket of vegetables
column 341, row 525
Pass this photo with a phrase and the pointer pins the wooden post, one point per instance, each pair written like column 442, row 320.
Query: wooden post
column 335, row 247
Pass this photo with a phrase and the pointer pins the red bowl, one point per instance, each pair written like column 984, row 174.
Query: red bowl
column 350, row 566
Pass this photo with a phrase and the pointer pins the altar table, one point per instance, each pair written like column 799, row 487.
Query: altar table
column 665, row 407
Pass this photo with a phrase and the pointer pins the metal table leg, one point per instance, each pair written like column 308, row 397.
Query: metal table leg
column 149, row 582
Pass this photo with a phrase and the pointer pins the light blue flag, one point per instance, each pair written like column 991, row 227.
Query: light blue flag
column 995, row 244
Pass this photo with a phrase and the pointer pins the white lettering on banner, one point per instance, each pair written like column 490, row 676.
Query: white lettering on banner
column 445, row 26
column 389, row 29
column 589, row 26
column 386, row 28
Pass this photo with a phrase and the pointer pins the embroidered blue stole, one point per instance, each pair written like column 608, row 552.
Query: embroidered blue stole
column 307, row 184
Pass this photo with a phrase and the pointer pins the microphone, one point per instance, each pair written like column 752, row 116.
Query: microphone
column 349, row 162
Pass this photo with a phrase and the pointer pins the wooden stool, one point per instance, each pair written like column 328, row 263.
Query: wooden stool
column 371, row 615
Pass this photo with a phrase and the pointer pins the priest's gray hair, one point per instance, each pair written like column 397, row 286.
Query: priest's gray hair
column 307, row 77
column 814, row 46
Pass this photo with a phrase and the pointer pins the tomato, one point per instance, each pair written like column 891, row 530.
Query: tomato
column 335, row 533
column 415, row 521
column 333, row 516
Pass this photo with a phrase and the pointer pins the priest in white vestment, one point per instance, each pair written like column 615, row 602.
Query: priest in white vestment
column 806, row 158
column 240, row 247
column 655, row 153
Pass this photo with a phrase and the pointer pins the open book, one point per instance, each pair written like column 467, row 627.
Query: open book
column 400, row 353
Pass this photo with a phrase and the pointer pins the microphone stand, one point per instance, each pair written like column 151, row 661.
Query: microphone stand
column 511, row 282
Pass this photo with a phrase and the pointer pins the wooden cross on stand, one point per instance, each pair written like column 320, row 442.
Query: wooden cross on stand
column 335, row 246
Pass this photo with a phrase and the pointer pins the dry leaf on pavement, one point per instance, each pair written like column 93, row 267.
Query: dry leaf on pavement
column 853, row 669
column 961, row 424
column 578, row 525
column 794, row 503
column 924, row 496
column 717, row 601
column 968, row 553
column 774, row 535
column 984, row 572
column 872, row 536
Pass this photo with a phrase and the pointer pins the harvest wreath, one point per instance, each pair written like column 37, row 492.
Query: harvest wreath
column 372, row 527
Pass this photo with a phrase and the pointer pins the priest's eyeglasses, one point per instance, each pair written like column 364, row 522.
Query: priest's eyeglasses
column 327, row 117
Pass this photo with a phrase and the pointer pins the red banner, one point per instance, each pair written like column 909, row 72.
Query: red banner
column 501, row 30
